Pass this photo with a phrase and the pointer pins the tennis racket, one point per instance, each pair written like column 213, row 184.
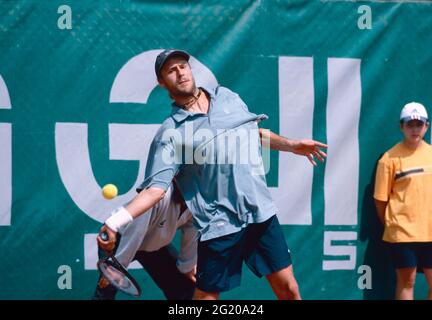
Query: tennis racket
column 116, row 274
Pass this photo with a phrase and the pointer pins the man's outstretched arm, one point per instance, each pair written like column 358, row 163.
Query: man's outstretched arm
column 305, row 147
column 144, row 201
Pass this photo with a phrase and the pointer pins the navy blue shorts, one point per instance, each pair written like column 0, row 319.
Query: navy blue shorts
column 411, row 254
column 261, row 245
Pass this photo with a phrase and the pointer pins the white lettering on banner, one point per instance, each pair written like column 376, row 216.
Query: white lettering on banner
column 342, row 167
column 339, row 250
column 295, row 174
column 343, row 156
column 5, row 159
column 293, row 196
column 133, row 84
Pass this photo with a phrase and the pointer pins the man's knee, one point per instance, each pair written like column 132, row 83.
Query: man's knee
column 293, row 288
column 284, row 284
column 406, row 278
column 406, row 282
column 287, row 289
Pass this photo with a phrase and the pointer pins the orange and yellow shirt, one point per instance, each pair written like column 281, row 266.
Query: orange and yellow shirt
column 404, row 180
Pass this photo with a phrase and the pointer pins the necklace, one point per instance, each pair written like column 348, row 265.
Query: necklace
column 192, row 100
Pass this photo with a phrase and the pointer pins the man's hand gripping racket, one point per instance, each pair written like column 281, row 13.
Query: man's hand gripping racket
column 112, row 269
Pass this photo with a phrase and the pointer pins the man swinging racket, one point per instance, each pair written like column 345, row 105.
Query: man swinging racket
column 229, row 200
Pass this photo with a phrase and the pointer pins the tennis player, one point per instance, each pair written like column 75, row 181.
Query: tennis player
column 229, row 200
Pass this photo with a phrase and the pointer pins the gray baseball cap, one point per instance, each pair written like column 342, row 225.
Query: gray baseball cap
column 165, row 55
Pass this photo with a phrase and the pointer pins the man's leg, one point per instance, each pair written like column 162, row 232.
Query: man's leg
column 284, row 284
column 424, row 256
column 428, row 275
column 267, row 254
column 405, row 283
column 162, row 268
column 404, row 256
column 219, row 265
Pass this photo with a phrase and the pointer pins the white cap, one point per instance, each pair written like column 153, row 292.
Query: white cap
column 413, row 111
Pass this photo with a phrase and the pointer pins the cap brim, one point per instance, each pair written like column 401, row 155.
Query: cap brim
column 178, row 53
column 407, row 119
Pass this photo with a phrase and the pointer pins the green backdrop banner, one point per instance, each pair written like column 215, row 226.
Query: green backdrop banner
column 79, row 105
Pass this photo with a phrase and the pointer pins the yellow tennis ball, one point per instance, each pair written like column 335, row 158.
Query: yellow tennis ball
column 109, row 191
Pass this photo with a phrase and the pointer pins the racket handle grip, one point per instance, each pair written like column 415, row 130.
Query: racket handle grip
column 104, row 236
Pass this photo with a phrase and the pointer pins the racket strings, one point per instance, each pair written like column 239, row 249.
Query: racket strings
column 119, row 277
